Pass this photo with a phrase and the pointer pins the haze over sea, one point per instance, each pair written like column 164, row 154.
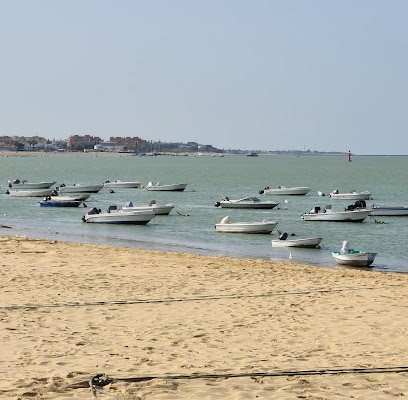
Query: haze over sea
column 190, row 227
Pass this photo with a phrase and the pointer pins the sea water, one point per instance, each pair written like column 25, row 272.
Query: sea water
column 190, row 227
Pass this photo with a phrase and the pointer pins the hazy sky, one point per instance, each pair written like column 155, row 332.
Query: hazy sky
column 237, row 74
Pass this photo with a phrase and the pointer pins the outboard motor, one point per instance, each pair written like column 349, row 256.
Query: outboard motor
column 345, row 247
column 355, row 205
column 217, row 204
column 283, row 236
column 360, row 204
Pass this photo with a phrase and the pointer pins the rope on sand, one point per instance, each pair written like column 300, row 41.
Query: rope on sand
column 97, row 382
column 195, row 298
column 325, row 371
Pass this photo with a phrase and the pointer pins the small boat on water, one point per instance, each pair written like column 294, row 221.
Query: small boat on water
column 246, row 202
column 285, row 191
column 80, row 188
column 69, row 196
column 353, row 195
column 226, row 226
column 175, row 187
column 25, row 185
column 122, row 184
column 29, row 193
column 49, row 202
column 158, row 209
column 115, row 216
column 355, row 258
column 283, row 241
column 389, row 211
column 351, row 215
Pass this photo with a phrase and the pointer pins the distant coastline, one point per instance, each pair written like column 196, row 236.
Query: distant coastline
column 41, row 153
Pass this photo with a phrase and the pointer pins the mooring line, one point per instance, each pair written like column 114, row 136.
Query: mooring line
column 182, row 299
column 325, row 371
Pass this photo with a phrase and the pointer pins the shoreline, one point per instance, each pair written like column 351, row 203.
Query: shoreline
column 70, row 311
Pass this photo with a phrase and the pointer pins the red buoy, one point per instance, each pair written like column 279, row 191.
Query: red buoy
column 349, row 156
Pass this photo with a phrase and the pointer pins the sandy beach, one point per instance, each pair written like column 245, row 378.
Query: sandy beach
column 179, row 326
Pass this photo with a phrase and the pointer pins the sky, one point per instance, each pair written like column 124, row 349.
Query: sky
column 236, row 74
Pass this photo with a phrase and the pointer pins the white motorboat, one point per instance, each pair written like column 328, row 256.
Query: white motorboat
column 389, row 211
column 246, row 202
column 69, row 196
column 115, row 216
column 354, row 215
column 158, row 209
column 353, row 195
column 122, row 184
column 226, row 226
column 283, row 241
column 355, row 258
column 29, row 193
column 24, row 185
column 286, row 191
column 175, row 187
column 80, row 188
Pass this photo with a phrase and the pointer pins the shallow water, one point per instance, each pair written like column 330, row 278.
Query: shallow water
column 190, row 227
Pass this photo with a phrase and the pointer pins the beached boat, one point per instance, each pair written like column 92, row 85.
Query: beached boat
column 246, row 202
column 283, row 241
column 389, row 211
column 25, row 185
column 175, row 187
column 115, row 216
column 158, row 209
column 29, row 193
column 353, row 195
column 355, row 215
column 122, row 184
column 285, row 191
column 355, row 258
column 80, row 188
column 226, row 226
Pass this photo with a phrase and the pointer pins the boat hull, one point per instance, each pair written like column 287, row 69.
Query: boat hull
column 350, row 196
column 286, row 191
column 263, row 205
column 122, row 218
column 265, row 227
column 122, row 185
column 31, row 185
column 30, row 193
column 179, row 187
column 51, row 203
column 340, row 216
column 71, row 197
column 157, row 209
column 390, row 211
column 80, row 189
column 355, row 258
column 302, row 243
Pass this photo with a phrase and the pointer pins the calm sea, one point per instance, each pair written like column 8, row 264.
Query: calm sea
column 190, row 227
